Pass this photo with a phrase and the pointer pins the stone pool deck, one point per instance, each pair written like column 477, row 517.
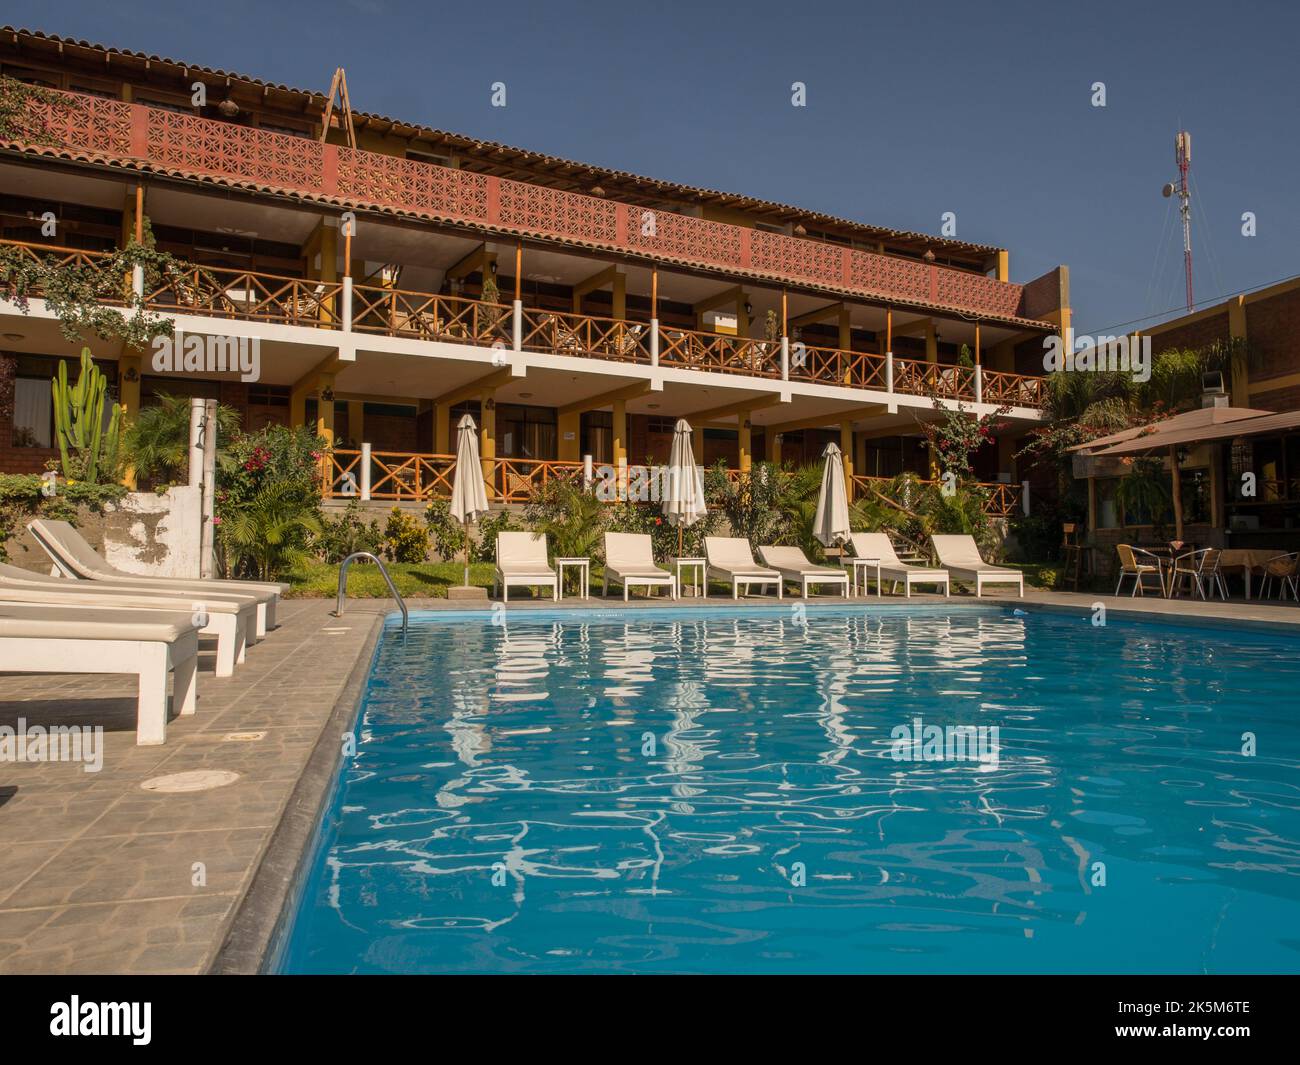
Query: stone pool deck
column 99, row 875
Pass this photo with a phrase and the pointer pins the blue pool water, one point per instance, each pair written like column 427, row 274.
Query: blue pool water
column 718, row 792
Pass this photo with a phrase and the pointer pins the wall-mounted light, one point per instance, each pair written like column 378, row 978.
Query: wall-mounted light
column 799, row 230
column 928, row 256
column 228, row 107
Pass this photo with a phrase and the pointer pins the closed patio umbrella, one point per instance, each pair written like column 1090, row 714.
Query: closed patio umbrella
column 831, row 524
column 468, row 495
column 684, row 492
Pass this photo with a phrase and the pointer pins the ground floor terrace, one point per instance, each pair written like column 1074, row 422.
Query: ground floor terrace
column 104, row 874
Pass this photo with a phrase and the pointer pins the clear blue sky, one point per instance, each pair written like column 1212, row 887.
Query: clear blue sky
column 914, row 109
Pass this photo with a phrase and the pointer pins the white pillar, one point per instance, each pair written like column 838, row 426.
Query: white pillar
column 365, row 472
column 889, row 371
column 206, row 557
column 517, row 325
column 196, row 443
column 979, row 384
column 785, row 358
column 347, row 304
column 654, row 341
column 1024, row 497
column 588, row 474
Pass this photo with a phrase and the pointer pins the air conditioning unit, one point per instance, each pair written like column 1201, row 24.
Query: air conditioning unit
column 1213, row 392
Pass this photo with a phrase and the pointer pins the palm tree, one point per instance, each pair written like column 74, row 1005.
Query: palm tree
column 158, row 439
column 268, row 535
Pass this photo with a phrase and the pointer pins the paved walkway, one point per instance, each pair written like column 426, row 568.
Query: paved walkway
column 100, row 875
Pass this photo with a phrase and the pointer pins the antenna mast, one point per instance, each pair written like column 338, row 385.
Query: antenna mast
column 1183, row 156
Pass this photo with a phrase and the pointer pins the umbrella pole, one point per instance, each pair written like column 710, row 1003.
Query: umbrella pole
column 680, row 532
column 467, row 554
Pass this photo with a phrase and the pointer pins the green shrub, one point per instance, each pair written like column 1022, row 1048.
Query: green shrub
column 447, row 534
column 348, row 533
column 406, row 539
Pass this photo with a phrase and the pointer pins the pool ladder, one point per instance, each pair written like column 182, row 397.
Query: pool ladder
column 343, row 584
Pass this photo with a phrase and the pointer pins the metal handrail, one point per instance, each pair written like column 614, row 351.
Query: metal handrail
column 343, row 584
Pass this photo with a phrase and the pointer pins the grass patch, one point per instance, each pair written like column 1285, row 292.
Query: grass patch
column 413, row 579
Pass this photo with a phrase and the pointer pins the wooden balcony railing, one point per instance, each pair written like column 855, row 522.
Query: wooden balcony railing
column 394, row 312
column 719, row 353
column 558, row 333
column 403, row 476
column 221, row 293
column 152, row 139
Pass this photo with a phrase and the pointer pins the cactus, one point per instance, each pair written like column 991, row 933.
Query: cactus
column 87, row 448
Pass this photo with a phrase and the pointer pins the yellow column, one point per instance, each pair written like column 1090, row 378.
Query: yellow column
column 487, row 432
column 325, row 407
column 442, row 429
column 745, row 437
column 620, row 444
column 357, row 421
column 846, row 447
column 772, row 446
column 297, row 408
column 128, row 395
column 570, row 429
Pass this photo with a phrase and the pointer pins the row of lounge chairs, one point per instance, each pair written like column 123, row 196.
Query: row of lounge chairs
column 97, row 619
column 629, row 561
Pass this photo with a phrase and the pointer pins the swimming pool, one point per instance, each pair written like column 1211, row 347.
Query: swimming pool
column 761, row 790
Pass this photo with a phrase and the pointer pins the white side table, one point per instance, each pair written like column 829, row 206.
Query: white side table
column 701, row 583
column 861, row 564
column 583, row 566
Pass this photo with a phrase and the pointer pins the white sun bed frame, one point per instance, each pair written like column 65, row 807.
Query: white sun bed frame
column 150, row 644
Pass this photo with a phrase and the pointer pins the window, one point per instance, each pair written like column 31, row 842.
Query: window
column 1107, row 507
column 33, row 413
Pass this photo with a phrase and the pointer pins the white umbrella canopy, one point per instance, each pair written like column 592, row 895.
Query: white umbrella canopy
column 683, row 503
column 831, row 524
column 468, row 493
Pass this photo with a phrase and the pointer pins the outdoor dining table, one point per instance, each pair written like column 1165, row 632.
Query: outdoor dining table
column 1247, row 559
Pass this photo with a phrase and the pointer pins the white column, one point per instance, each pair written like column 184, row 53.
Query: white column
column 979, row 384
column 196, row 443
column 654, row 341
column 365, row 472
column 1024, row 497
column 785, row 358
column 889, row 371
column 347, row 304
column 517, row 325
column 206, row 559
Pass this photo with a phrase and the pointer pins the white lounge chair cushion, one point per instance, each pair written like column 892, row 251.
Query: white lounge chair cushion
column 73, row 623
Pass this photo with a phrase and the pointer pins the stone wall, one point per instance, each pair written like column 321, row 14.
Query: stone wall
column 146, row 533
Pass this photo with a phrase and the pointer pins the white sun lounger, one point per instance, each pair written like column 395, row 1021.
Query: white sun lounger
column 793, row 565
column 730, row 559
column 879, row 545
column 150, row 644
column 76, row 558
column 961, row 557
column 629, row 560
column 521, row 560
column 230, row 620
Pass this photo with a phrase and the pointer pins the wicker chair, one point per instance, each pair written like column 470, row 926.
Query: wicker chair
column 1138, row 563
column 1285, row 569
